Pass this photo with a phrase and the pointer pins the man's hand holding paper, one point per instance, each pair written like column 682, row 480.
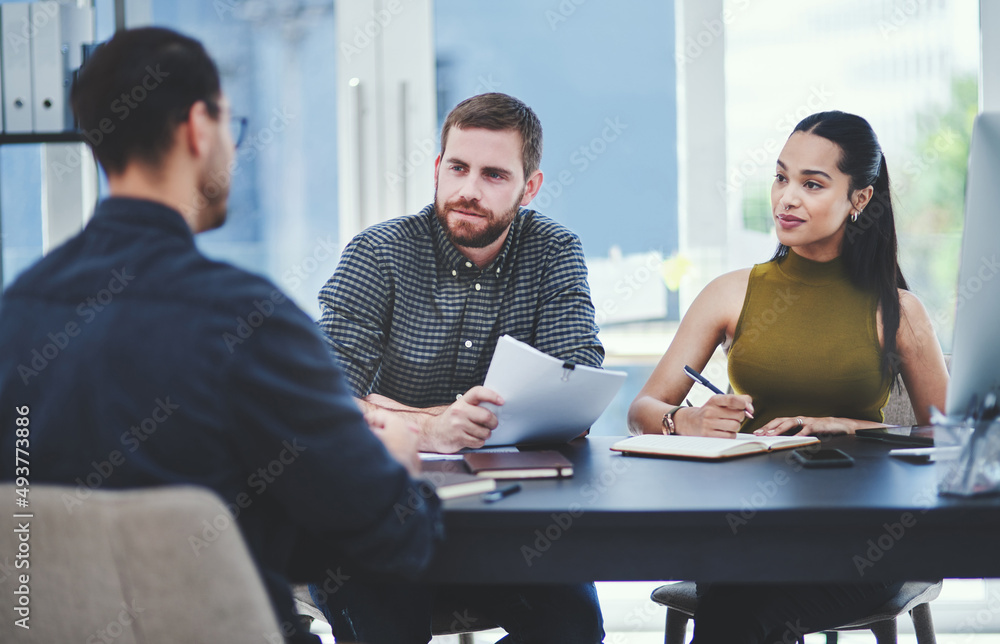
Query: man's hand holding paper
column 464, row 423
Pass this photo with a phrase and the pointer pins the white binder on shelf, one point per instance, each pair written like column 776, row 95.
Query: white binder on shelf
column 48, row 95
column 77, row 29
column 15, row 57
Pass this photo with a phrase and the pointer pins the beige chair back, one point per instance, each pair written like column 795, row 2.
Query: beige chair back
column 131, row 567
column 899, row 410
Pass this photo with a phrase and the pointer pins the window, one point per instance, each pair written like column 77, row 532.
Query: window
column 278, row 68
column 604, row 86
column 909, row 68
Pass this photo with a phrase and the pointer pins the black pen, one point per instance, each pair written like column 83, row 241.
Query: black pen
column 702, row 380
column 499, row 493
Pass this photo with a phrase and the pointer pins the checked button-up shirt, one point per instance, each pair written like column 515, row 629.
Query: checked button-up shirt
column 411, row 318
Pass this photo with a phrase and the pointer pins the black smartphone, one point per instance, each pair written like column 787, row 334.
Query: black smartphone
column 822, row 457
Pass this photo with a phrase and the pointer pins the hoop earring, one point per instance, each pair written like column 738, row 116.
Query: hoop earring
column 854, row 216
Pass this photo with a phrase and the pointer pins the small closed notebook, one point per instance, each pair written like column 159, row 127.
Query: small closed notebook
column 451, row 480
column 536, row 464
column 708, row 448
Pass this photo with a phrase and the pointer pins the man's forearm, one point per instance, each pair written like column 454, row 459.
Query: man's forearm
column 422, row 417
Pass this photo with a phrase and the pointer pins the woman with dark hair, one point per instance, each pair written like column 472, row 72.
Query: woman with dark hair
column 815, row 339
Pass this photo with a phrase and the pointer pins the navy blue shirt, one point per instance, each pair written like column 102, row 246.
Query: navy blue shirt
column 144, row 363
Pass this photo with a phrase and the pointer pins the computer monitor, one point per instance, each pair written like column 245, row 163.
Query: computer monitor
column 975, row 362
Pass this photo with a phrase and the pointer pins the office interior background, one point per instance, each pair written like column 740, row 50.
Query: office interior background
column 662, row 123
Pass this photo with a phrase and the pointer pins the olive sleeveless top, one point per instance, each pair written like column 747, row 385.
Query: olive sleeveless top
column 806, row 344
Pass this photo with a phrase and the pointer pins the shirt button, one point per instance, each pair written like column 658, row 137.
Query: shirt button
column 454, row 273
column 468, row 264
column 468, row 344
column 478, row 287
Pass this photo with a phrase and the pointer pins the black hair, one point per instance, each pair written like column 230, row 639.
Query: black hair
column 135, row 89
column 869, row 248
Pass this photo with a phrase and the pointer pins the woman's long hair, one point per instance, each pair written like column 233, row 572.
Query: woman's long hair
column 869, row 247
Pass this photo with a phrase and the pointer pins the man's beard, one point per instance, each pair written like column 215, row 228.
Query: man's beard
column 465, row 234
column 214, row 192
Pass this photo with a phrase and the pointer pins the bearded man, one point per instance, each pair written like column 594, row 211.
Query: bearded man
column 413, row 313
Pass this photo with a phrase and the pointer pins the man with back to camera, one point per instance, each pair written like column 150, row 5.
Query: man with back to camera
column 164, row 347
column 413, row 313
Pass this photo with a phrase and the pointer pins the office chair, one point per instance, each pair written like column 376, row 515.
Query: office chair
column 913, row 598
column 133, row 566
column 460, row 622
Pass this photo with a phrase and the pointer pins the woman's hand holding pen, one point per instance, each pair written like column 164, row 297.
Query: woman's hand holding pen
column 720, row 416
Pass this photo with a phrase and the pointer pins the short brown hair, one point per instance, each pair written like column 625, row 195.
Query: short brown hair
column 496, row 111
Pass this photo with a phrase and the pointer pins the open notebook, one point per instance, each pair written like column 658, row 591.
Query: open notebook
column 706, row 447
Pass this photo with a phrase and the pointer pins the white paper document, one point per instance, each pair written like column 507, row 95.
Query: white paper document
column 545, row 399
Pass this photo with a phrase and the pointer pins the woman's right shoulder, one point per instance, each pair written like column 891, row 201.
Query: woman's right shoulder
column 729, row 285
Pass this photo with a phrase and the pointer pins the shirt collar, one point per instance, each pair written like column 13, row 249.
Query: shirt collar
column 454, row 260
column 144, row 213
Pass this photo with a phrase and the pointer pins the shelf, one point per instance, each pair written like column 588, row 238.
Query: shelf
column 42, row 137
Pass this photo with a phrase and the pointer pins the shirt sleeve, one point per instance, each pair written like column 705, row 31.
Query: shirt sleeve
column 316, row 458
column 566, row 325
column 355, row 305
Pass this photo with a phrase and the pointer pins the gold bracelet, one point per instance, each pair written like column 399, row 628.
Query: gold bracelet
column 669, row 428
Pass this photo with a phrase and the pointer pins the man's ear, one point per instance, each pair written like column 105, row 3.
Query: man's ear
column 531, row 187
column 200, row 131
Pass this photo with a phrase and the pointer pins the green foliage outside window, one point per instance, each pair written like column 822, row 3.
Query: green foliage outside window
column 930, row 202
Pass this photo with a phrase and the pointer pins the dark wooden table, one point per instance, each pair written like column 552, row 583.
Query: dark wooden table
column 757, row 518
